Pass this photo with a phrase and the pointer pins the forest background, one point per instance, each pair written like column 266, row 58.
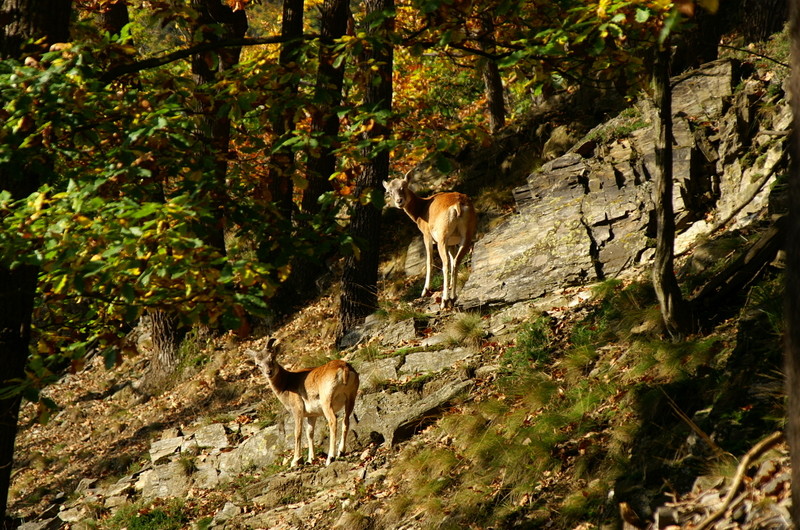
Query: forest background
column 200, row 162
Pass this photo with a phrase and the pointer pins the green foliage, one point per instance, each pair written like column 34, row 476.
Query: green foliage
column 129, row 216
column 574, row 402
column 628, row 121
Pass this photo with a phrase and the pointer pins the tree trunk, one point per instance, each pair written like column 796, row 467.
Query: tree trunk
column 114, row 17
column 25, row 21
column 792, row 291
column 166, row 334
column 282, row 165
column 359, row 295
column 334, row 15
column 674, row 309
column 216, row 124
column 493, row 83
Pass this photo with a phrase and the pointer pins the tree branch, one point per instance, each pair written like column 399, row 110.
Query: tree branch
column 751, row 52
column 751, row 455
column 154, row 62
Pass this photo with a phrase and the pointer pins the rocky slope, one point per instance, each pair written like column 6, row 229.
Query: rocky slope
column 218, row 441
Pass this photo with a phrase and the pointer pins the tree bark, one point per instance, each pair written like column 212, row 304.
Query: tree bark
column 25, row 21
column 281, row 167
column 114, row 17
column 216, row 125
column 792, row 291
column 493, row 82
column 359, row 295
column 334, row 15
column 674, row 309
column 166, row 334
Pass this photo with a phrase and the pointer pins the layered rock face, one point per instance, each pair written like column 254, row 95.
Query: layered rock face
column 587, row 215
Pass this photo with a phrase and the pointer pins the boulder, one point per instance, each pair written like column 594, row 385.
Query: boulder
column 374, row 373
column 211, row 436
column 427, row 362
column 394, row 416
column 165, row 447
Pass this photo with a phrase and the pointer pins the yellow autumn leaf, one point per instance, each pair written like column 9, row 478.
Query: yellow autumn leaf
column 602, row 6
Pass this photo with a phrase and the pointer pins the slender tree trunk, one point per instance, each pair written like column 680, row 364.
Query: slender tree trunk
column 327, row 94
column 281, row 186
column 24, row 21
column 114, row 17
column 792, row 291
column 17, row 289
column 359, row 295
column 216, row 124
column 493, row 82
column 674, row 309
column 321, row 163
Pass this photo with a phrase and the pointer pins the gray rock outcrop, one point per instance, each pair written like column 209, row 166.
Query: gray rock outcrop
column 587, row 215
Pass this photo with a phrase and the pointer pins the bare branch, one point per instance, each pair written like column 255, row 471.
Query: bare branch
column 155, row 62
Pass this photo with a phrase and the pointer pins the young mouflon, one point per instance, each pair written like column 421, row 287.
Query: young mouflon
column 310, row 393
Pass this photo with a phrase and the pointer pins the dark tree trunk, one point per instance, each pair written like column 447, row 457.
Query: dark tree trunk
column 282, row 164
column 359, row 295
column 216, row 124
column 792, row 292
column 321, row 163
column 493, row 83
column 17, row 289
column 25, row 21
column 334, row 16
column 674, row 309
column 114, row 17
column 760, row 18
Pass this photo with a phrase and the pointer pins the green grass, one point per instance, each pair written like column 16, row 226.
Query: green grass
column 568, row 413
column 466, row 329
column 534, row 346
column 160, row 515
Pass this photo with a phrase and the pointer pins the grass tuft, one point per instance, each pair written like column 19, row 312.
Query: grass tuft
column 466, row 329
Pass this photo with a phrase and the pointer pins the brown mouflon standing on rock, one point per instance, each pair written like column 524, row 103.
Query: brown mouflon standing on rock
column 447, row 219
column 310, row 393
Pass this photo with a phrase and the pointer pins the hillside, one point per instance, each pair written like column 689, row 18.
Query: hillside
column 554, row 402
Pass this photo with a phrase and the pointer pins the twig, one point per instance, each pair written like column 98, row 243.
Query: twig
column 692, row 425
column 747, row 459
column 161, row 60
column 751, row 52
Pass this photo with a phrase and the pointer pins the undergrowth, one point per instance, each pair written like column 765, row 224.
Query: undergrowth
column 561, row 433
column 161, row 515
